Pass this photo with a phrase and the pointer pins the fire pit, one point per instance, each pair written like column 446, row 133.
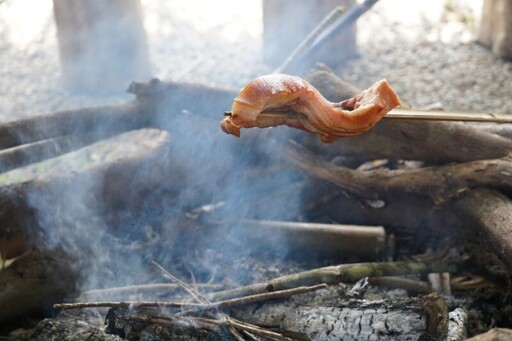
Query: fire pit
column 143, row 220
column 225, row 256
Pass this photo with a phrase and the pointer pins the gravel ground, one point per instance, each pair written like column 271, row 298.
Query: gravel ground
column 427, row 53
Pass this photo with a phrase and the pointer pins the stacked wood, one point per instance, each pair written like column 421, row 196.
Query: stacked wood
column 458, row 185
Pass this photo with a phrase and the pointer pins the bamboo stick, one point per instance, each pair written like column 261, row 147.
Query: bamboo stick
column 335, row 274
column 408, row 114
column 323, row 240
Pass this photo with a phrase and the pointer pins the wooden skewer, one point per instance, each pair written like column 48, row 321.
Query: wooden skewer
column 408, row 114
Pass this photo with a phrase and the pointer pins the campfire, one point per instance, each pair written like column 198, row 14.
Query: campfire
column 358, row 238
column 293, row 208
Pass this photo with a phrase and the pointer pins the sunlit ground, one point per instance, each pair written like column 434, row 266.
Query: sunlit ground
column 27, row 22
column 212, row 42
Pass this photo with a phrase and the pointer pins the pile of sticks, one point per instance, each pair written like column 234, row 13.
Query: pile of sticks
column 431, row 178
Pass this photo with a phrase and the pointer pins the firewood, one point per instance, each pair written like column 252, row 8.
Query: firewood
column 90, row 326
column 153, row 98
column 412, row 286
column 30, row 153
column 487, row 211
column 335, row 317
column 22, row 230
column 435, row 142
column 437, row 182
column 68, row 122
column 327, row 314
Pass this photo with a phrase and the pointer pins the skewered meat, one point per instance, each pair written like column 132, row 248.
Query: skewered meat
column 278, row 99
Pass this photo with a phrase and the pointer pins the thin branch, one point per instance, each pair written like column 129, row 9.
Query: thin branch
column 257, row 298
column 145, row 287
column 192, row 292
column 246, row 327
column 193, row 306
column 122, row 304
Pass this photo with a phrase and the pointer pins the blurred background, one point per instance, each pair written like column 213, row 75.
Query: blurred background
column 426, row 50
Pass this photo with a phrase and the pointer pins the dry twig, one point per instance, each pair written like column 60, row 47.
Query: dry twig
column 144, row 287
column 194, row 307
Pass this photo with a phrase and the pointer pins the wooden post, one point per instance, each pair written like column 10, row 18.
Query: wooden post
column 287, row 23
column 102, row 44
column 496, row 27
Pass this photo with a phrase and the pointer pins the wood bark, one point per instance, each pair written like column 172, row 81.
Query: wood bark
column 335, row 317
column 457, row 191
column 76, row 121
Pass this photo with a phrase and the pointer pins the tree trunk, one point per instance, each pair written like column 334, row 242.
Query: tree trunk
column 496, row 27
column 102, row 43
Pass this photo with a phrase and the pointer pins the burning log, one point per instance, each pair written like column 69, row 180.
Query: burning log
column 328, row 314
column 301, row 320
column 341, row 318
